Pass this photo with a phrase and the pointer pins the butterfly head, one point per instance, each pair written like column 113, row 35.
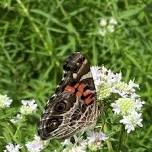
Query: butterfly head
column 74, row 62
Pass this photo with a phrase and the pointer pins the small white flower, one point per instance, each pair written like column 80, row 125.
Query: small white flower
column 113, row 78
column 94, row 137
column 12, row 148
column 124, row 106
column 103, row 22
column 127, row 105
column 104, row 91
column 102, row 32
column 132, row 84
column 5, row 101
column 75, row 149
column 113, row 21
column 103, row 75
column 66, row 142
column 96, row 73
column 28, row 107
column 116, row 108
column 104, row 70
column 134, row 95
column 123, row 89
column 104, row 81
column 132, row 121
column 36, row 145
column 78, row 149
column 95, row 140
column 107, row 26
column 16, row 119
column 110, row 28
column 139, row 104
column 79, row 146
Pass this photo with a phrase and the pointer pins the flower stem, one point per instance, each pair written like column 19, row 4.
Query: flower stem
column 120, row 142
column 109, row 144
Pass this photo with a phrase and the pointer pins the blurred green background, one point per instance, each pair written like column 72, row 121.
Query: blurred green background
column 37, row 35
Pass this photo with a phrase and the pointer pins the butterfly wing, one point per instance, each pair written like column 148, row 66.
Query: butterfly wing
column 73, row 107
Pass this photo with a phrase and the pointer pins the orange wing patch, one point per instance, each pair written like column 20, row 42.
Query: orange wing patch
column 89, row 100
column 78, row 89
column 69, row 89
column 88, row 97
column 81, row 87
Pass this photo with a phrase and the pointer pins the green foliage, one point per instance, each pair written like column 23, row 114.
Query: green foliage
column 36, row 37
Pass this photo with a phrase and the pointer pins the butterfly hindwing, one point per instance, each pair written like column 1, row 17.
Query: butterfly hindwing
column 73, row 107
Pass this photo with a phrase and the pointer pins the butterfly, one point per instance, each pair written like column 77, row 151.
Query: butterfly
column 73, row 107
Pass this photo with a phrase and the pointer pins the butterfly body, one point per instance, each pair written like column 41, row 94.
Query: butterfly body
column 73, row 107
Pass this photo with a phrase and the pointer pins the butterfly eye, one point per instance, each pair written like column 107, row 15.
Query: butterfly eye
column 60, row 107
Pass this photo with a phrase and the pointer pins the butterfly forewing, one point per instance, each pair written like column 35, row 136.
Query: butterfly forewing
column 73, row 107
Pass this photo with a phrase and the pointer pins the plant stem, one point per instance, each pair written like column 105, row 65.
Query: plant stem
column 108, row 142
column 120, row 142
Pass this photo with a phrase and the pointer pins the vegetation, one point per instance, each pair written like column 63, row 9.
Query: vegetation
column 37, row 36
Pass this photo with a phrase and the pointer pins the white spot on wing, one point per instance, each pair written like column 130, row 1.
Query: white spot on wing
column 88, row 75
column 54, row 95
column 48, row 102
column 57, row 86
column 74, row 75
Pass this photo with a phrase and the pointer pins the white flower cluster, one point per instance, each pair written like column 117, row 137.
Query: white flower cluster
column 37, row 145
column 107, row 25
column 5, row 101
column 28, row 107
column 12, row 148
column 16, row 119
column 128, row 105
column 93, row 142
